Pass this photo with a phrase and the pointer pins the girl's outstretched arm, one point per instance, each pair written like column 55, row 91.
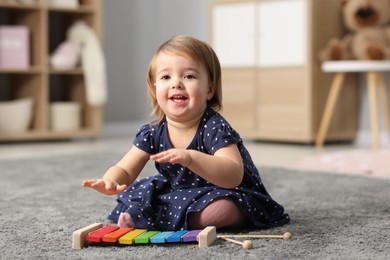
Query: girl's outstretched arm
column 119, row 176
column 224, row 168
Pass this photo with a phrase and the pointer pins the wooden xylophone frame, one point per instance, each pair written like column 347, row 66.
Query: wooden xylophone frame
column 97, row 234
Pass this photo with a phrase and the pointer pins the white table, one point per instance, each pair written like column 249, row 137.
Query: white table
column 375, row 85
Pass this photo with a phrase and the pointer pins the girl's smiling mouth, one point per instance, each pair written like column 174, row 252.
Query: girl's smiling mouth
column 178, row 98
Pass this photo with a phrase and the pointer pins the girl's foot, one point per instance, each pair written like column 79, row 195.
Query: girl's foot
column 125, row 220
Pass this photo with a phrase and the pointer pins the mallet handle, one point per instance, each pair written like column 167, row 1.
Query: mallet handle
column 285, row 236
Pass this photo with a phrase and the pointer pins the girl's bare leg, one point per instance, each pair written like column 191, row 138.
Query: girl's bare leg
column 221, row 213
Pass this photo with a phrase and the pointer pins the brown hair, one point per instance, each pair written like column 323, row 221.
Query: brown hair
column 198, row 51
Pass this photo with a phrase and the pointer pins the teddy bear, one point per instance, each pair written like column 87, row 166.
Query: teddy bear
column 82, row 46
column 368, row 23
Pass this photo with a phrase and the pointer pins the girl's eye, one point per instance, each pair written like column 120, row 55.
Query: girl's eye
column 189, row 76
column 165, row 77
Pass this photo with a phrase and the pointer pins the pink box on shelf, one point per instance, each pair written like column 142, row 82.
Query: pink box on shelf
column 14, row 47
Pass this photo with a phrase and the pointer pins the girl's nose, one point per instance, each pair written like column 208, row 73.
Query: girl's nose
column 177, row 84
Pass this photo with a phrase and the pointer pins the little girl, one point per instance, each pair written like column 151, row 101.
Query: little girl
column 206, row 176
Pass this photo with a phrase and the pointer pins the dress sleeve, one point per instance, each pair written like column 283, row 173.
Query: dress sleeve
column 145, row 139
column 219, row 133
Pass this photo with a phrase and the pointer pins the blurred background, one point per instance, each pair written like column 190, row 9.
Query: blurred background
column 258, row 99
column 132, row 32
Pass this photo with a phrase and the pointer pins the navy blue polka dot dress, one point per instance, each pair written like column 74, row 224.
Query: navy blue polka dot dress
column 163, row 202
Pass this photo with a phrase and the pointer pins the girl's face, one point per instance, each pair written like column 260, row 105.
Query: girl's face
column 182, row 87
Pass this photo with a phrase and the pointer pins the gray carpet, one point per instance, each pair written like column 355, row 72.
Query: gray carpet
column 333, row 216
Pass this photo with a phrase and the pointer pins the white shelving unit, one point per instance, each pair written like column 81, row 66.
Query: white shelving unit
column 273, row 86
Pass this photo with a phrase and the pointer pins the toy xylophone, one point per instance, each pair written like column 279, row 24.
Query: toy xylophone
column 96, row 233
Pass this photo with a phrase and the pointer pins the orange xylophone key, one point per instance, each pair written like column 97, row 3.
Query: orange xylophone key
column 114, row 236
column 98, row 234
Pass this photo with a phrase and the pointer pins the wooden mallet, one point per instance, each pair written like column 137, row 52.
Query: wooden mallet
column 247, row 244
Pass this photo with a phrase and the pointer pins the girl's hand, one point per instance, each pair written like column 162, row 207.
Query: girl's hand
column 179, row 156
column 104, row 186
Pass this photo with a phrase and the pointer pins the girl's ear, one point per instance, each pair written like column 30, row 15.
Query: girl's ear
column 210, row 93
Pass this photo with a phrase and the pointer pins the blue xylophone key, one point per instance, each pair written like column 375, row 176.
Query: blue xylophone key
column 176, row 237
column 160, row 238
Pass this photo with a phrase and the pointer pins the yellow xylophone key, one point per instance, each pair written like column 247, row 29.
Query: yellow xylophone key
column 129, row 238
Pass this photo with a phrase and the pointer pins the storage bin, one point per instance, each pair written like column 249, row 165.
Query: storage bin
column 65, row 116
column 15, row 115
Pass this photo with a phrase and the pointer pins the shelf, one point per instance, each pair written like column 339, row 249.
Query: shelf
column 37, row 7
column 48, row 135
column 48, row 26
column 31, row 70
column 76, row 71
column 79, row 10
column 29, row 7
